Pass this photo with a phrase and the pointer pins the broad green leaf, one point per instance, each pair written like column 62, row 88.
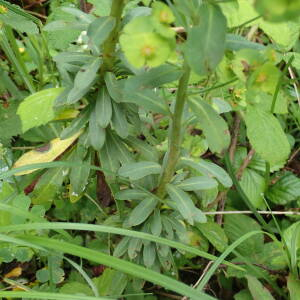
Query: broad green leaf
column 48, row 186
column 99, row 30
column 185, row 205
column 37, row 109
column 83, row 80
column 257, row 290
column 131, row 194
column 76, row 288
column 45, row 153
column 101, row 8
column 206, row 42
column 210, row 169
column 253, row 184
column 285, row 189
column 198, row 183
column 293, row 285
column 236, row 226
column 214, row 127
column 103, row 108
column 147, row 99
column 96, row 133
column 288, row 236
column 138, row 170
column 119, row 122
column 142, row 211
column 215, row 234
column 243, row 295
column 266, row 136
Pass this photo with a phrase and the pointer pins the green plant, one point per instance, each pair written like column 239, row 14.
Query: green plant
column 133, row 114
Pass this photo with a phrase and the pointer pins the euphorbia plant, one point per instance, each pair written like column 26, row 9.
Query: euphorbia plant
column 133, row 94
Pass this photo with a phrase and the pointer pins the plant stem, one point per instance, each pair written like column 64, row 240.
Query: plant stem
column 109, row 47
column 175, row 133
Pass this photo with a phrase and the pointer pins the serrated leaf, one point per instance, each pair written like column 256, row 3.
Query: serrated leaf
column 285, row 190
column 266, row 136
column 185, row 205
column 206, row 42
column 215, row 234
column 37, row 109
column 142, row 211
column 253, row 184
column 214, row 127
column 138, row 170
column 103, row 108
column 236, row 226
column 45, row 153
column 210, row 169
column 198, row 183
column 99, row 30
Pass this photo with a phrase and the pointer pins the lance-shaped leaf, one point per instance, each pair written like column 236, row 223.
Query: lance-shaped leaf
column 206, row 42
column 138, row 170
column 185, row 205
column 37, row 109
column 103, row 108
column 131, row 194
column 257, row 290
column 210, row 169
column 214, row 127
column 99, row 30
column 45, row 153
column 96, row 133
column 198, row 183
column 119, row 121
column 142, row 211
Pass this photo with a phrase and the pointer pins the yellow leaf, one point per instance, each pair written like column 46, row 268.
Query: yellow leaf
column 45, row 153
column 16, row 272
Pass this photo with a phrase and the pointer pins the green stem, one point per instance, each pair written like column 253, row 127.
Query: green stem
column 109, row 47
column 175, row 133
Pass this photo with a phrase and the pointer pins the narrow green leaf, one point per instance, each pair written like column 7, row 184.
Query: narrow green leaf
column 293, row 285
column 96, row 133
column 99, row 30
column 142, row 211
column 83, row 80
column 119, row 121
column 214, row 127
column 185, row 205
column 206, row 42
column 138, row 170
column 103, row 108
column 237, row 42
column 113, row 87
column 210, row 169
column 198, row 183
column 131, row 194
